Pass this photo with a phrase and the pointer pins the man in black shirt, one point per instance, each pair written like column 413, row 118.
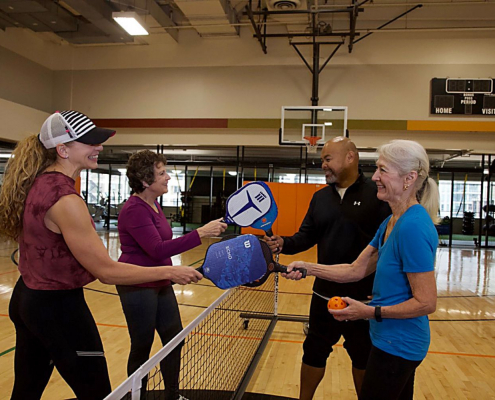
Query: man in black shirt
column 342, row 219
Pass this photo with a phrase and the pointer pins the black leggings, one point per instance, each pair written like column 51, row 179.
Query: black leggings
column 56, row 328
column 147, row 310
column 388, row 377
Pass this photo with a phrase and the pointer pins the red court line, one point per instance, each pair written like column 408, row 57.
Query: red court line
column 446, row 353
column 5, row 273
column 443, row 353
column 112, row 326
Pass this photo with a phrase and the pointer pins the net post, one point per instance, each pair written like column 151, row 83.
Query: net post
column 275, row 292
column 137, row 381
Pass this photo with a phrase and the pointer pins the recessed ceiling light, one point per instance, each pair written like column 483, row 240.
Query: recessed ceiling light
column 130, row 22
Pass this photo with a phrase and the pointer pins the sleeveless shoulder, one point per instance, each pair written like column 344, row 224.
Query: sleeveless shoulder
column 49, row 187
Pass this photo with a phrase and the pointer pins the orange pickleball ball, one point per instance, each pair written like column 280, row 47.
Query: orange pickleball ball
column 336, row 303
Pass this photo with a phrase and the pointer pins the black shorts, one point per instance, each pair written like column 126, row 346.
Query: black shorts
column 325, row 331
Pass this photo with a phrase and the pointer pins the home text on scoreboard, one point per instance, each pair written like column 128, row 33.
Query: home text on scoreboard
column 462, row 96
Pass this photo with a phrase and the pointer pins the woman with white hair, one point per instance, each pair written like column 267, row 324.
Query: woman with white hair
column 403, row 255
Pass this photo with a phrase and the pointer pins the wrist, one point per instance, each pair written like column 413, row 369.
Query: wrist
column 168, row 272
column 309, row 268
column 378, row 314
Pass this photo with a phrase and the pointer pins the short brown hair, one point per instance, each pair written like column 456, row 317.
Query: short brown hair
column 140, row 167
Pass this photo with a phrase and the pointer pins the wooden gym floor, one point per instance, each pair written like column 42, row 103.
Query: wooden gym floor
column 460, row 363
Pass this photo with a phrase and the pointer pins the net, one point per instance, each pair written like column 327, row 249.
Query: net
column 220, row 348
column 311, row 143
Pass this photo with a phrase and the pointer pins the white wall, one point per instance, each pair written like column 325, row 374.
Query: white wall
column 18, row 121
column 395, row 92
column 387, row 77
column 159, row 50
column 25, row 82
column 25, row 95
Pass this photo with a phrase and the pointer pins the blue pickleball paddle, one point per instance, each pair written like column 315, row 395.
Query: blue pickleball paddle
column 234, row 262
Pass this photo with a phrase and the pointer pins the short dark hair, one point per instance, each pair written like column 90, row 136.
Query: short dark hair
column 140, row 167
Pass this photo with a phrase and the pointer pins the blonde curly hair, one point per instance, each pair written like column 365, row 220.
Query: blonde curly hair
column 28, row 160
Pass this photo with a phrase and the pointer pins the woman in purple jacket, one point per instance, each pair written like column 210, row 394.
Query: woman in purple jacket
column 146, row 239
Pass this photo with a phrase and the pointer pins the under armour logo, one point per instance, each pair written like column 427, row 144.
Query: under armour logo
column 357, row 203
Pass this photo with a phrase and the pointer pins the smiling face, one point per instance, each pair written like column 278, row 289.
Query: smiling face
column 333, row 161
column 160, row 184
column 80, row 155
column 388, row 181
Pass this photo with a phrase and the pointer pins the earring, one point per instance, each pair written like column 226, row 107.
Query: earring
column 406, row 187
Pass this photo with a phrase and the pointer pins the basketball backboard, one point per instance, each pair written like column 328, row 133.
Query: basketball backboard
column 311, row 122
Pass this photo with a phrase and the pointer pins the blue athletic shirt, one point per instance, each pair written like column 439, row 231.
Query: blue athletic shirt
column 410, row 247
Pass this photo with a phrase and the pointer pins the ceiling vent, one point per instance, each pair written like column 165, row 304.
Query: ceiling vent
column 284, row 5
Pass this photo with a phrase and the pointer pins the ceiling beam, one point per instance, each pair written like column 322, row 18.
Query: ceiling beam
column 99, row 13
column 163, row 19
column 231, row 14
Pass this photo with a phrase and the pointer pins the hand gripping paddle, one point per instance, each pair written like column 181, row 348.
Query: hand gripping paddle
column 234, row 262
column 240, row 260
column 271, row 266
column 252, row 205
column 268, row 263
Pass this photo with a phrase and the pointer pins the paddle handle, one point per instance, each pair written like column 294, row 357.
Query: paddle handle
column 269, row 233
column 283, row 269
column 200, row 270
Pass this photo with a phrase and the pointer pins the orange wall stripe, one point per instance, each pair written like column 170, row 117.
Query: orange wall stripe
column 451, row 126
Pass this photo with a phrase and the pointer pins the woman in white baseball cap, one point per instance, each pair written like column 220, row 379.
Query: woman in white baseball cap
column 59, row 253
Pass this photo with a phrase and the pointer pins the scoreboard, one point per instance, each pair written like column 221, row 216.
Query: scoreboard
column 462, row 96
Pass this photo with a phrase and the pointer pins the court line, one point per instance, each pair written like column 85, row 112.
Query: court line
column 7, row 351
column 445, row 353
column 284, row 340
column 116, row 294
column 101, row 291
column 111, row 325
column 462, row 320
column 438, row 297
column 9, row 272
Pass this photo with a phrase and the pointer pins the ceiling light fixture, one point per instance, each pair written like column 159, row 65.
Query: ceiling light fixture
column 131, row 22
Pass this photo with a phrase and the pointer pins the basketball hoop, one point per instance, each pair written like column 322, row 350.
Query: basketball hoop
column 311, row 143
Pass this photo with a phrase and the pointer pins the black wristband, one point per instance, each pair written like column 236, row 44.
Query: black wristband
column 378, row 314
